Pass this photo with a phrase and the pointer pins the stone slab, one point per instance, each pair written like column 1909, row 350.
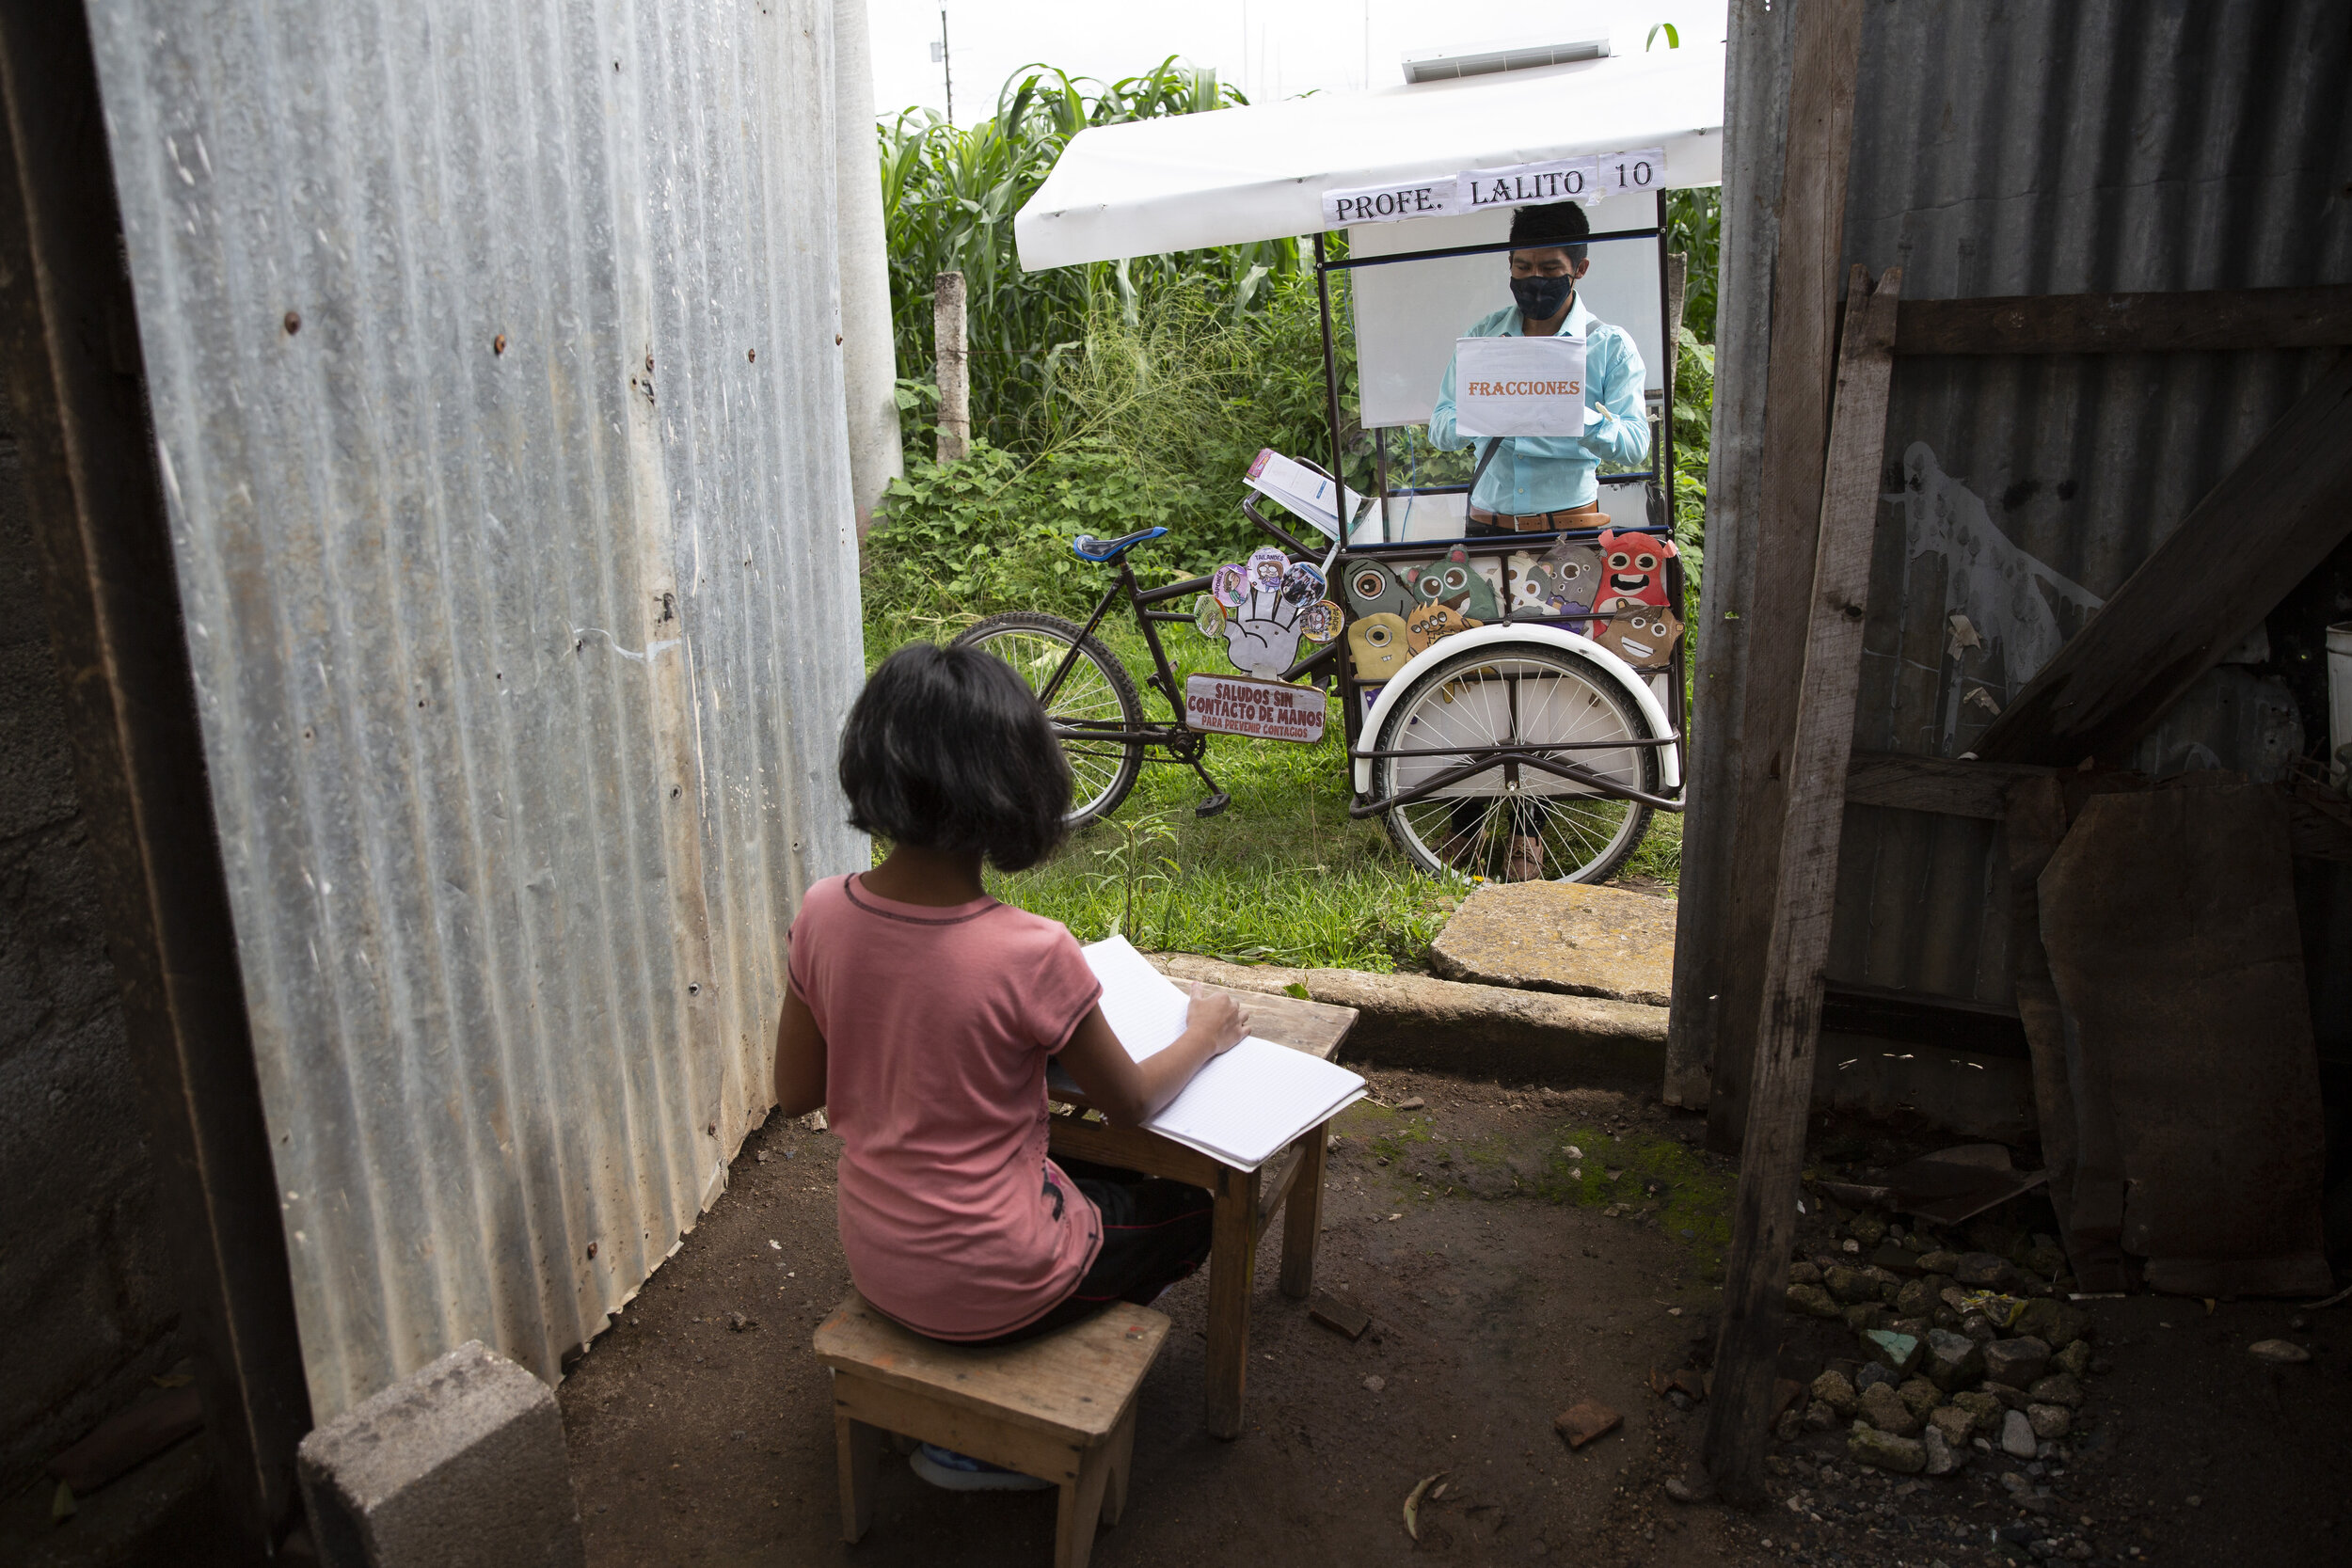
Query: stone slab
column 460, row 1465
column 1563, row 937
column 1411, row 1021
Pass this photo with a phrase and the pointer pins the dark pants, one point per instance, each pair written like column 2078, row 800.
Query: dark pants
column 1155, row 1232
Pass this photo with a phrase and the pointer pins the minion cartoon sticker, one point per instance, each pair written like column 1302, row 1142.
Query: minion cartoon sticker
column 1373, row 589
column 1377, row 645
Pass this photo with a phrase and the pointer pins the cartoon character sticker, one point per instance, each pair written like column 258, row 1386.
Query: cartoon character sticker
column 1320, row 622
column 1373, row 589
column 1301, row 585
column 1377, row 645
column 1633, row 566
column 1429, row 623
column 1640, row 634
column 1229, row 585
column 1267, row 567
column 1456, row 584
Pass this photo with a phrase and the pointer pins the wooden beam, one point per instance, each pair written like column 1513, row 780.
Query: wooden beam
column 2215, row 319
column 2319, row 823
column 2239, row 551
column 1825, row 43
column 1781, row 1099
column 1941, row 784
column 1911, row 1017
column 77, row 390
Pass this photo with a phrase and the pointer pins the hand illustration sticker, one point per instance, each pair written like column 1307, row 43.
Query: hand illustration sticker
column 1269, row 607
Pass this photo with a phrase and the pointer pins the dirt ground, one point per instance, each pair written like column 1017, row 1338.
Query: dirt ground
column 1508, row 1280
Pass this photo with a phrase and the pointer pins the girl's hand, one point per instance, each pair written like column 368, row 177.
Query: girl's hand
column 1217, row 1018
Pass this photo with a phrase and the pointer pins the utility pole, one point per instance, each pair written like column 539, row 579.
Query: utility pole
column 948, row 65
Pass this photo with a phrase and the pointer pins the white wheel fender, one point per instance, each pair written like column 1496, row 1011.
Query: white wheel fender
column 1503, row 634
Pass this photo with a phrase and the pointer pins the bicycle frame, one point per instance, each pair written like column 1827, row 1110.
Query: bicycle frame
column 1163, row 678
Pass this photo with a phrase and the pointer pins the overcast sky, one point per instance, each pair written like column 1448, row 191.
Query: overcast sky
column 1272, row 48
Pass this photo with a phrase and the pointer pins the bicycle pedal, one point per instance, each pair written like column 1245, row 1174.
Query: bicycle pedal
column 1214, row 804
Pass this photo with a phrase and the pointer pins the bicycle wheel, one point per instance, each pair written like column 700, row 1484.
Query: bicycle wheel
column 1095, row 694
column 1510, row 821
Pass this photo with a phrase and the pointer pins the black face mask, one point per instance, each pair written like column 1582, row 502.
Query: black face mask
column 1541, row 298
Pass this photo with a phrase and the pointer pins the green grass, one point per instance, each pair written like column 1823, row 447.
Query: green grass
column 1280, row 877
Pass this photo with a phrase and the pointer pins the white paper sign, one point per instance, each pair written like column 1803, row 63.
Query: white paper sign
column 1520, row 387
column 1528, row 184
column 1303, row 491
column 1422, row 199
column 1641, row 169
column 1268, row 710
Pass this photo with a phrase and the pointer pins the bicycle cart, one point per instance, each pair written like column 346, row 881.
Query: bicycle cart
column 1513, row 705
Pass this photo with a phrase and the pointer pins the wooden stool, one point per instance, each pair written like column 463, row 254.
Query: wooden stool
column 1061, row 1407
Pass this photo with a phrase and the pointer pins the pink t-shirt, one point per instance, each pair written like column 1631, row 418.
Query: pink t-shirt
column 937, row 1025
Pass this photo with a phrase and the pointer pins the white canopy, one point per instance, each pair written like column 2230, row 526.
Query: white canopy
column 1259, row 173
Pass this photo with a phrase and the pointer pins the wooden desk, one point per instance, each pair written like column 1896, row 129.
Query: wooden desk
column 1245, row 1200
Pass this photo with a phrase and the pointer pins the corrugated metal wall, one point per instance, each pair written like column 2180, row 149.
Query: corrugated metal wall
column 2059, row 147
column 492, row 349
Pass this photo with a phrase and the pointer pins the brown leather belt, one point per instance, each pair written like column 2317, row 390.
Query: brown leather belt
column 1540, row 522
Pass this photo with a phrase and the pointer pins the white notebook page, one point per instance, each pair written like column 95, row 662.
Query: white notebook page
column 1243, row 1106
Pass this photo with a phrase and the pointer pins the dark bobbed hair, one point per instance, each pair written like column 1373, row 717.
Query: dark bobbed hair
column 949, row 749
column 1560, row 224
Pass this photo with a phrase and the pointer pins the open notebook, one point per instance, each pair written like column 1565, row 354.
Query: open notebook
column 1243, row 1107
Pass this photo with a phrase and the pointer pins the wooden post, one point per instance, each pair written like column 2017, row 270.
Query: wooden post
column 1727, row 903
column 954, row 368
column 1781, row 1094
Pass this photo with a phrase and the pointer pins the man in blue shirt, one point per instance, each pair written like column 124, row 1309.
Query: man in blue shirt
column 1541, row 484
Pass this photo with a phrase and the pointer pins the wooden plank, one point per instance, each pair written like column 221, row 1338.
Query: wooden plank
column 1941, row 784
column 2215, row 578
column 1302, row 1219
column 1805, row 279
column 1781, row 1099
column 2319, row 825
column 1072, row 1383
column 1131, row 1149
column 77, row 393
column 1938, row 1022
column 1757, row 88
column 1233, row 1271
column 2205, row 319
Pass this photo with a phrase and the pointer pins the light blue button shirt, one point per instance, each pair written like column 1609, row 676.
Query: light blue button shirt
column 1550, row 473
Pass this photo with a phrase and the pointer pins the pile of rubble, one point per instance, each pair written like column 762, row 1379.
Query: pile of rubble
column 1956, row 1351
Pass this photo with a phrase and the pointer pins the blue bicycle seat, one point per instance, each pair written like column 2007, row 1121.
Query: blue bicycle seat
column 1091, row 548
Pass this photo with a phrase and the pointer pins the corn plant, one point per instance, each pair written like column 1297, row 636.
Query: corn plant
column 950, row 195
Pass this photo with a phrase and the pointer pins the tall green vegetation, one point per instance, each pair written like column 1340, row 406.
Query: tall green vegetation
column 950, row 195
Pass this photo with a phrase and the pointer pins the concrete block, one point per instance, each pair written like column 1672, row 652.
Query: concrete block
column 460, row 1465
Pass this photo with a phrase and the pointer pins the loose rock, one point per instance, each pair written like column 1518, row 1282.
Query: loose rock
column 1953, row 1360
column 1983, row 1410
column 1805, row 1273
column 1985, row 1270
column 1411, row 1102
column 1849, row 1285
column 1813, row 1302
column 2057, row 1389
column 1870, row 1375
column 2016, row 1362
column 1939, row 1262
column 2017, row 1438
column 1831, row 1389
column 1955, row 1424
column 1942, row 1459
column 2074, row 1360
column 1897, row 1353
column 1919, row 1396
column 1886, row 1410
column 1864, row 1316
column 2278, row 1352
column 2052, row 1421
column 1585, row 1421
column 1818, row 1417
column 1867, row 1445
